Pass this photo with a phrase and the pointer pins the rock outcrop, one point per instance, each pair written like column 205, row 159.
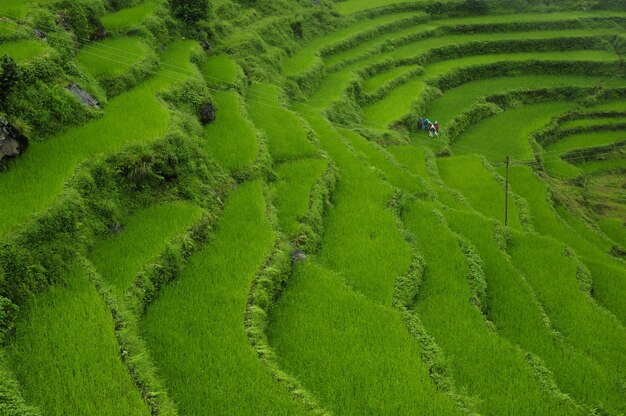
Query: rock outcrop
column 82, row 95
column 12, row 142
column 207, row 113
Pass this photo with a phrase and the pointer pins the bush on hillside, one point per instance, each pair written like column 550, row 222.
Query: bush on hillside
column 81, row 17
column 606, row 4
column 465, row 8
column 190, row 11
column 8, row 77
column 123, row 4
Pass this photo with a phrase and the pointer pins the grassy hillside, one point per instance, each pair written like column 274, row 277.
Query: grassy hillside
column 227, row 207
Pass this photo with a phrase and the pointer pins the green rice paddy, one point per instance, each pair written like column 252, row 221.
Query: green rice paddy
column 18, row 9
column 457, row 325
column 324, row 333
column 231, row 139
column 219, row 70
column 32, row 192
column 125, row 19
column 459, row 99
column 112, row 57
column 119, row 258
column 293, row 189
column 305, row 58
column 23, row 50
column 286, row 136
column 354, row 6
column 205, row 371
column 414, row 297
column 65, row 353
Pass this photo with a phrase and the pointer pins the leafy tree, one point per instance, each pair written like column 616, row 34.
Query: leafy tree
column 8, row 76
column 190, row 11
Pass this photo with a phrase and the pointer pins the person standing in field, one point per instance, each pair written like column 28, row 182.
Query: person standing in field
column 436, row 127
column 433, row 131
column 420, row 123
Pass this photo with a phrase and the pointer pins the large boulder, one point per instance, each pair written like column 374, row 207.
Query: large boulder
column 12, row 142
column 207, row 113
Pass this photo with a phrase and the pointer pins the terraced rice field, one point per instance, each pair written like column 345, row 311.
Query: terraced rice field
column 255, row 225
column 23, row 50
column 112, row 57
column 131, row 117
column 126, row 19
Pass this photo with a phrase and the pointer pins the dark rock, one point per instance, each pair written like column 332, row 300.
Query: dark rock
column 99, row 34
column 298, row 255
column 206, row 45
column 444, row 152
column 40, row 34
column 61, row 19
column 82, row 95
column 12, row 142
column 207, row 113
column 296, row 28
column 116, row 228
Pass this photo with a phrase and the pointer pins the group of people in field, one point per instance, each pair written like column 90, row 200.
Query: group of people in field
column 431, row 128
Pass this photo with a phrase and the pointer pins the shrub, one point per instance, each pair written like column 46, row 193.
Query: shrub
column 8, row 77
column 81, row 17
column 465, row 8
column 190, row 11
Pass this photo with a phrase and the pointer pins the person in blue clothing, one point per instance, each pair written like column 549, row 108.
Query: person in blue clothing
column 427, row 124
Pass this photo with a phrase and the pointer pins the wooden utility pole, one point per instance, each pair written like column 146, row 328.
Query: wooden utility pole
column 506, row 194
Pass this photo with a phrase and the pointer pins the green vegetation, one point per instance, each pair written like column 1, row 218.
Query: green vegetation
column 219, row 70
column 23, row 50
column 354, row 6
column 209, row 298
column 360, row 227
column 231, row 138
column 459, row 99
column 593, row 122
column 412, row 158
column 481, row 359
column 138, row 109
column 18, row 9
column 608, row 276
column 390, row 168
column 518, row 316
column 66, row 356
column 583, row 140
column 119, row 258
column 396, row 104
column 556, row 277
column 614, row 229
column 112, row 57
column 286, row 136
column 190, row 11
column 249, row 222
column 464, row 173
column 324, row 333
column 293, row 190
column 507, row 134
column 126, row 19
column 304, row 59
